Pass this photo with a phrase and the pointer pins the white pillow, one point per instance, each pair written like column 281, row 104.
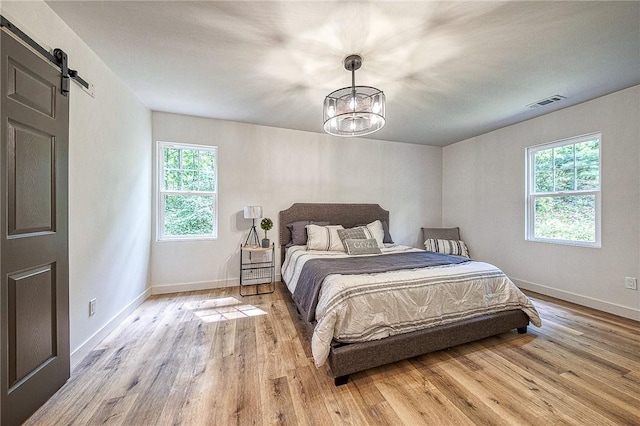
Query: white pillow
column 377, row 232
column 324, row 238
column 455, row 247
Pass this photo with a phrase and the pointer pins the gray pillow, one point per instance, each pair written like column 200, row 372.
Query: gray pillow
column 356, row 233
column 441, row 233
column 387, row 235
column 356, row 247
column 299, row 232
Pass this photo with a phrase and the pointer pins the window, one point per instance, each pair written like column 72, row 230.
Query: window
column 563, row 191
column 187, row 191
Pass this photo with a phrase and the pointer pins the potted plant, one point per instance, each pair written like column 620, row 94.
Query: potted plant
column 266, row 224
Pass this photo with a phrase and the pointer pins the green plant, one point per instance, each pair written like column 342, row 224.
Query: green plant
column 266, row 224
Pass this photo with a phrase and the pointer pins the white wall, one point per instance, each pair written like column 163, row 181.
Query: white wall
column 109, row 184
column 275, row 168
column 484, row 194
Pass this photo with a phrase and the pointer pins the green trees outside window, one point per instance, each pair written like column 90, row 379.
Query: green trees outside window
column 563, row 191
column 188, row 191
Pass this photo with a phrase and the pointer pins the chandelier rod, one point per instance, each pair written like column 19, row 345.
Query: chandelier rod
column 353, row 78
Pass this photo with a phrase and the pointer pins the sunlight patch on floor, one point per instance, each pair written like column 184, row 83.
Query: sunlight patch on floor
column 223, row 309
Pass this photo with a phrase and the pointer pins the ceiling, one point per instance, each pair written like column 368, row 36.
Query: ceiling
column 450, row 70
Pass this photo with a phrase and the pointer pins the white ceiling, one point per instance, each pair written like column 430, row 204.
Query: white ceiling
column 450, row 70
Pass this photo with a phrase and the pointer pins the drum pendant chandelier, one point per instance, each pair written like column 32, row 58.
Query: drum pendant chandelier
column 354, row 110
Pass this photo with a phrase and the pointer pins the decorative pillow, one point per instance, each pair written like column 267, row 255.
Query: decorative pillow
column 441, row 233
column 324, row 238
column 456, row 247
column 357, row 233
column 387, row 235
column 386, row 238
column 359, row 246
column 377, row 232
column 299, row 232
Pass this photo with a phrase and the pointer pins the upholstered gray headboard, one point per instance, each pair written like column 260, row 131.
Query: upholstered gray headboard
column 347, row 215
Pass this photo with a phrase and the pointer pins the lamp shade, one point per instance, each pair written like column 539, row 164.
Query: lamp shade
column 253, row 212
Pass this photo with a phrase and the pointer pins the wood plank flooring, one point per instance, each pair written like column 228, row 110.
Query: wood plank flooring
column 166, row 366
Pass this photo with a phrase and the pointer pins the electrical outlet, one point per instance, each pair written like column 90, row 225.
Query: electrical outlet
column 92, row 307
column 631, row 283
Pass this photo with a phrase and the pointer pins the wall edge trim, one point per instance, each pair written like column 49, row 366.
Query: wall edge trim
column 590, row 302
column 197, row 285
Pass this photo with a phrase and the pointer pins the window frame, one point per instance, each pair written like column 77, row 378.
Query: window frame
column 161, row 192
column 532, row 195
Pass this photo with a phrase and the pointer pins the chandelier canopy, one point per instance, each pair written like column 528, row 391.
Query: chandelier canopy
column 354, row 110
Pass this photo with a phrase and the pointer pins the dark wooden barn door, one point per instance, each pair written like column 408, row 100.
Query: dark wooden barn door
column 34, row 294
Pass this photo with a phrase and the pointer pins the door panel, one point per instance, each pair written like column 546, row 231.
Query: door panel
column 32, row 325
column 30, row 157
column 27, row 88
column 34, row 270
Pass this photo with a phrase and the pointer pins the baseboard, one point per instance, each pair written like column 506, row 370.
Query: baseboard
column 601, row 305
column 194, row 286
column 83, row 350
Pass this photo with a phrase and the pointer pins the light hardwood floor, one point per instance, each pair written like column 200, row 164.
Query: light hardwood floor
column 166, row 366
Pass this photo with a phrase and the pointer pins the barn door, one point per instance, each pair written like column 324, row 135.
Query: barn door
column 34, row 269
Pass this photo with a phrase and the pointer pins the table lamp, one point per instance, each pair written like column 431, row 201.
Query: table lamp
column 253, row 213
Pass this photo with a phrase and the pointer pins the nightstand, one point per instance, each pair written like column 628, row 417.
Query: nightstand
column 257, row 269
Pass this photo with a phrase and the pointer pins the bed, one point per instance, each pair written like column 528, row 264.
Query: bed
column 346, row 355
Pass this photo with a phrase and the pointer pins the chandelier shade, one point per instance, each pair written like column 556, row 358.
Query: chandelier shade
column 354, row 110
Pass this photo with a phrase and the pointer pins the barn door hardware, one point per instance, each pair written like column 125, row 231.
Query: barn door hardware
column 58, row 58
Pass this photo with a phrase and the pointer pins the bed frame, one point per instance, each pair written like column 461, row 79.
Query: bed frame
column 345, row 359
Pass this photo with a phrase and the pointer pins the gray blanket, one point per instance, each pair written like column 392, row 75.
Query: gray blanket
column 314, row 271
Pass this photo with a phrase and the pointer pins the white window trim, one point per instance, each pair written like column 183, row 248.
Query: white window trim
column 160, row 237
column 531, row 196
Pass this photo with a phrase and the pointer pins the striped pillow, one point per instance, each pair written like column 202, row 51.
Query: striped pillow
column 324, row 238
column 455, row 247
column 357, row 233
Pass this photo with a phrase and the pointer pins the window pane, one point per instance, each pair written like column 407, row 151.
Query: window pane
column 566, row 218
column 543, row 166
column 190, row 180
column 564, row 168
column 171, row 158
column 172, row 180
column 587, row 165
column 190, row 159
column 207, row 181
column 188, row 215
column 207, row 160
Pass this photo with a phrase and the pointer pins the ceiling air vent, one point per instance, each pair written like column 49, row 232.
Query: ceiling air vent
column 546, row 101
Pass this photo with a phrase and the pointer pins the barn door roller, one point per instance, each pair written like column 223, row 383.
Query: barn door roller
column 59, row 57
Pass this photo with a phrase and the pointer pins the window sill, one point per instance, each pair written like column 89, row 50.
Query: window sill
column 565, row 242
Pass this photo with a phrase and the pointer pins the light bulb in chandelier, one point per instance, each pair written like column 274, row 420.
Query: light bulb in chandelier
column 353, row 103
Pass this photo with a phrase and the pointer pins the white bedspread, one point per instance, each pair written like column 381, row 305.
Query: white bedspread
column 357, row 308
